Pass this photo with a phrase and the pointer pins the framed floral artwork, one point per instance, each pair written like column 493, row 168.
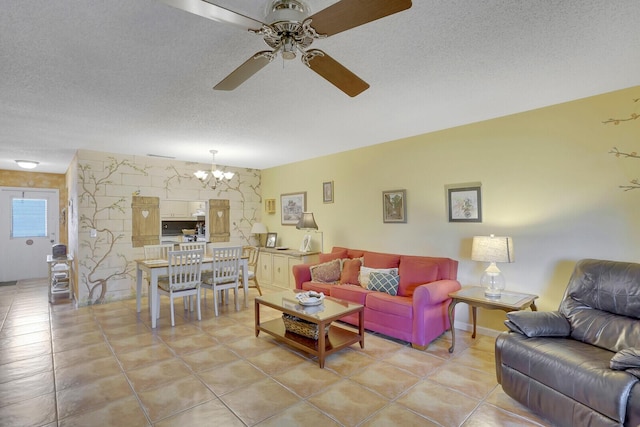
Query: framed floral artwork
column 465, row 203
column 292, row 205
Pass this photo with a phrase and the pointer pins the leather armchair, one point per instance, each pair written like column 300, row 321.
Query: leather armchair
column 579, row 365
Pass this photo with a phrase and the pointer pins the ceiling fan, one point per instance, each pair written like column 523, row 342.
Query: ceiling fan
column 290, row 30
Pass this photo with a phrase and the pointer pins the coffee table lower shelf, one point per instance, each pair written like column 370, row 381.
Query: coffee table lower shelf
column 337, row 339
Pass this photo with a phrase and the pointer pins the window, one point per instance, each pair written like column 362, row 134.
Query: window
column 28, row 218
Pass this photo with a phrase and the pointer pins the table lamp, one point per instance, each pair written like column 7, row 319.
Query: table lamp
column 492, row 249
column 259, row 229
column 308, row 222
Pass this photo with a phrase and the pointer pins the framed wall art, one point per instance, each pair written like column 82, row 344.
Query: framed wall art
column 464, row 203
column 394, row 206
column 327, row 192
column 291, row 206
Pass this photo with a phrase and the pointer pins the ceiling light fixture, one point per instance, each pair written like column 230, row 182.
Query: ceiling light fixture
column 27, row 164
column 218, row 175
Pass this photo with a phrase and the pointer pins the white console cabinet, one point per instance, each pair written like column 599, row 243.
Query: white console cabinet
column 275, row 266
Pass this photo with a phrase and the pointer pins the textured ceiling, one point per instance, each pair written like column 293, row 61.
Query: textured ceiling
column 136, row 77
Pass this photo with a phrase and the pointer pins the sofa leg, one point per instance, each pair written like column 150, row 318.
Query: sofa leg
column 419, row 347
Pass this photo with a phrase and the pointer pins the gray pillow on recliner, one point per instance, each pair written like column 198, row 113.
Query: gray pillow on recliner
column 538, row 323
column 629, row 358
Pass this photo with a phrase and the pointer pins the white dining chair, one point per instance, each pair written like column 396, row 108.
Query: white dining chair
column 190, row 246
column 225, row 273
column 157, row 251
column 184, row 279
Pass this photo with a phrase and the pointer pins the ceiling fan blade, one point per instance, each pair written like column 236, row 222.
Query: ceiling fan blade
column 217, row 13
column 245, row 71
column 334, row 72
column 347, row 14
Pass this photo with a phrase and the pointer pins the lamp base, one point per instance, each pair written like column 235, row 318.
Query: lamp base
column 492, row 293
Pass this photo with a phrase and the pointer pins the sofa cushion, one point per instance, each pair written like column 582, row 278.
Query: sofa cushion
column 327, row 272
column 350, row 271
column 629, row 358
column 397, row 306
column 384, row 282
column 350, row 293
column 322, row 258
column 365, row 273
column 378, row 260
column 538, row 323
column 415, row 271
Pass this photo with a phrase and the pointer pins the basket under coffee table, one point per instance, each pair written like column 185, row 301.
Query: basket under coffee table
column 331, row 309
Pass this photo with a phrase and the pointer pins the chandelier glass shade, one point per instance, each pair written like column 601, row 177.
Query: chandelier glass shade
column 217, row 175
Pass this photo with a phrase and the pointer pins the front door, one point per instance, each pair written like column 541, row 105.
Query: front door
column 28, row 228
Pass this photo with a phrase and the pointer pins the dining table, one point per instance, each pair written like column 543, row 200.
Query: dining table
column 160, row 267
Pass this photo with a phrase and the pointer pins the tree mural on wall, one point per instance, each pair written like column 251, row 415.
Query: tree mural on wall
column 634, row 184
column 101, row 247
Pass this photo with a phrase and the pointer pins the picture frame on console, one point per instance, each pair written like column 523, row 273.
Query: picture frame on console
column 272, row 238
column 464, row 202
column 394, row 206
column 292, row 205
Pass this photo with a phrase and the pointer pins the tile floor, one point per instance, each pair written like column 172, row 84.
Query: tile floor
column 104, row 366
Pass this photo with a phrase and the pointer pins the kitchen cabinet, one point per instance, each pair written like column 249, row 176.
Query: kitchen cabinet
column 174, row 209
column 275, row 266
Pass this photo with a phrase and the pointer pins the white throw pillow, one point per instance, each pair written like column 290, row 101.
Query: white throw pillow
column 366, row 271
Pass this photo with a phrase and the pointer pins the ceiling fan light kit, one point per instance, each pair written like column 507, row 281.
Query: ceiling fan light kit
column 290, row 29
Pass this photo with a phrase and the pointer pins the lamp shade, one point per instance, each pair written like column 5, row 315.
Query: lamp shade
column 258, row 228
column 307, row 222
column 492, row 249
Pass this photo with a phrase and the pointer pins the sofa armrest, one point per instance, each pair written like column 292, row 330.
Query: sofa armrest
column 301, row 273
column 435, row 292
column 538, row 323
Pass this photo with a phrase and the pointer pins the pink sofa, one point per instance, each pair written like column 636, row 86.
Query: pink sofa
column 417, row 314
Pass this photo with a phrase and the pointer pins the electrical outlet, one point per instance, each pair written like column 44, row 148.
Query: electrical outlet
column 93, row 232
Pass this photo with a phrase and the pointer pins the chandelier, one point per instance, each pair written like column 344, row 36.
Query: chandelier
column 216, row 174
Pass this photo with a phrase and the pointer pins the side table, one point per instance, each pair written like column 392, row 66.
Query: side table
column 474, row 297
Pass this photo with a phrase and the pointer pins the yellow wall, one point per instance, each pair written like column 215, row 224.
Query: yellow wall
column 548, row 181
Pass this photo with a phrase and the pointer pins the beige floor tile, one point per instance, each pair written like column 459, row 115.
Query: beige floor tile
column 276, row 359
column 473, row 383
column 500, row 399
column 145, row 356
column 209, row 358
column 181, row 330
column 259, row 401
column 27, row 317
column 174, row 397
column 348, row 402
column 136, row 342
column 398, row 415
column 92, row 395
column 488, row 415
column 476, row 359
column 118, row 413
column 24, row 339
column 85, row 373
column 77, row 341
column 191, row 343
column 11, row 331
column 156, row 374
column 73, row 330
column 231, row 333
column 25, row 368
column 32, row 412
column 415, row 361
column 307, row 378
column 378, row 347
column 227, row 378
column 81, row 355
column 212, row 412
column 251, row 345
column 300, row 414
column 124, row 331
column 13, row 354
column 348, row 361
column 385, row 379
column 438, row 403
column 26, row 388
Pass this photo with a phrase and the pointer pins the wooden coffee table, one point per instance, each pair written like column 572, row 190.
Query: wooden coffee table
column 331, row 309
column 474, row 297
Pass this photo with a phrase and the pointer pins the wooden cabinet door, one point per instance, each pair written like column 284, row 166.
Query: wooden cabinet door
column 280, row 270
column 264, row 268
column 145, row 218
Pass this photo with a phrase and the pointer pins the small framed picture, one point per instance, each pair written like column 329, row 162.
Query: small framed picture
column 464, row 203
column 292, row 206
column 394, row 206
column 327, row 192
column 271, row 240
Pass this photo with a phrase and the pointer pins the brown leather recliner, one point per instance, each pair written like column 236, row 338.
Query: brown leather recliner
column 580, row 365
